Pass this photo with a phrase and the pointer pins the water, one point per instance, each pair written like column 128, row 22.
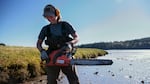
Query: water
column 129, row 67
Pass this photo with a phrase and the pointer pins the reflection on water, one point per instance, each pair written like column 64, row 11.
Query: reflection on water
column 129, row 67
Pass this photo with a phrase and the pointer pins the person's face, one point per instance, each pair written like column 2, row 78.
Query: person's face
column 52, row 19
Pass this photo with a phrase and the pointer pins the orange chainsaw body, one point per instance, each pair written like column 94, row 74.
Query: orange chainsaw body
column 62, row 60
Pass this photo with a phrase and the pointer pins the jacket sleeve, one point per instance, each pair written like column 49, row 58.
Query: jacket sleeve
column 69, row 28
column 43, row 33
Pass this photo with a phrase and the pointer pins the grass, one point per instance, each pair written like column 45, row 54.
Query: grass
column 21, row 63
column 86, row 53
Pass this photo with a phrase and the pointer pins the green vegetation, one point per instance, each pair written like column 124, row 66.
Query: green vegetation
column 21, row 63
column 85, row 53
column 2, row 44
column 143, row 43
column 18, row 63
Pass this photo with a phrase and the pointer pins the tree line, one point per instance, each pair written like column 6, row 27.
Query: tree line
column 2, row 44
column 143, row 43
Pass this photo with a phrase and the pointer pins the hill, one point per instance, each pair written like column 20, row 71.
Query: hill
column 143, row 43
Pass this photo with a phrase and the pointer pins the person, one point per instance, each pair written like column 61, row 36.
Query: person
column 58, row 34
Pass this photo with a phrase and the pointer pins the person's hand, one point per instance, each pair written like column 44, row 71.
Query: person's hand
column 69, row 46
column 44, row 55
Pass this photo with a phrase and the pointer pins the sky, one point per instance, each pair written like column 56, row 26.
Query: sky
column 94, row 20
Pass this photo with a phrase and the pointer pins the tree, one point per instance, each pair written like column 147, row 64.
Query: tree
column 2, row 44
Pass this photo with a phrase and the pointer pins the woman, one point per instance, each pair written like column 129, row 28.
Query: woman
column 57, row 34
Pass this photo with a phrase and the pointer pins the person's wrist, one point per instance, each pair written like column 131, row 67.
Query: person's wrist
column 69, row 43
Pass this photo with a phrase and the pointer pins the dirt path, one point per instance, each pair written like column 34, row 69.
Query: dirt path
column 37, row 80
column 43, row 80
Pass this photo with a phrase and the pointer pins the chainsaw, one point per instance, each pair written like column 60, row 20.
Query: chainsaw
column 63, row 57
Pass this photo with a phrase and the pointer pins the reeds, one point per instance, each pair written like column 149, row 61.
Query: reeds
column 18, row 64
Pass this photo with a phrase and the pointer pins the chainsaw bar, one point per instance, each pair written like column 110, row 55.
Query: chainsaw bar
column 91, row 62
